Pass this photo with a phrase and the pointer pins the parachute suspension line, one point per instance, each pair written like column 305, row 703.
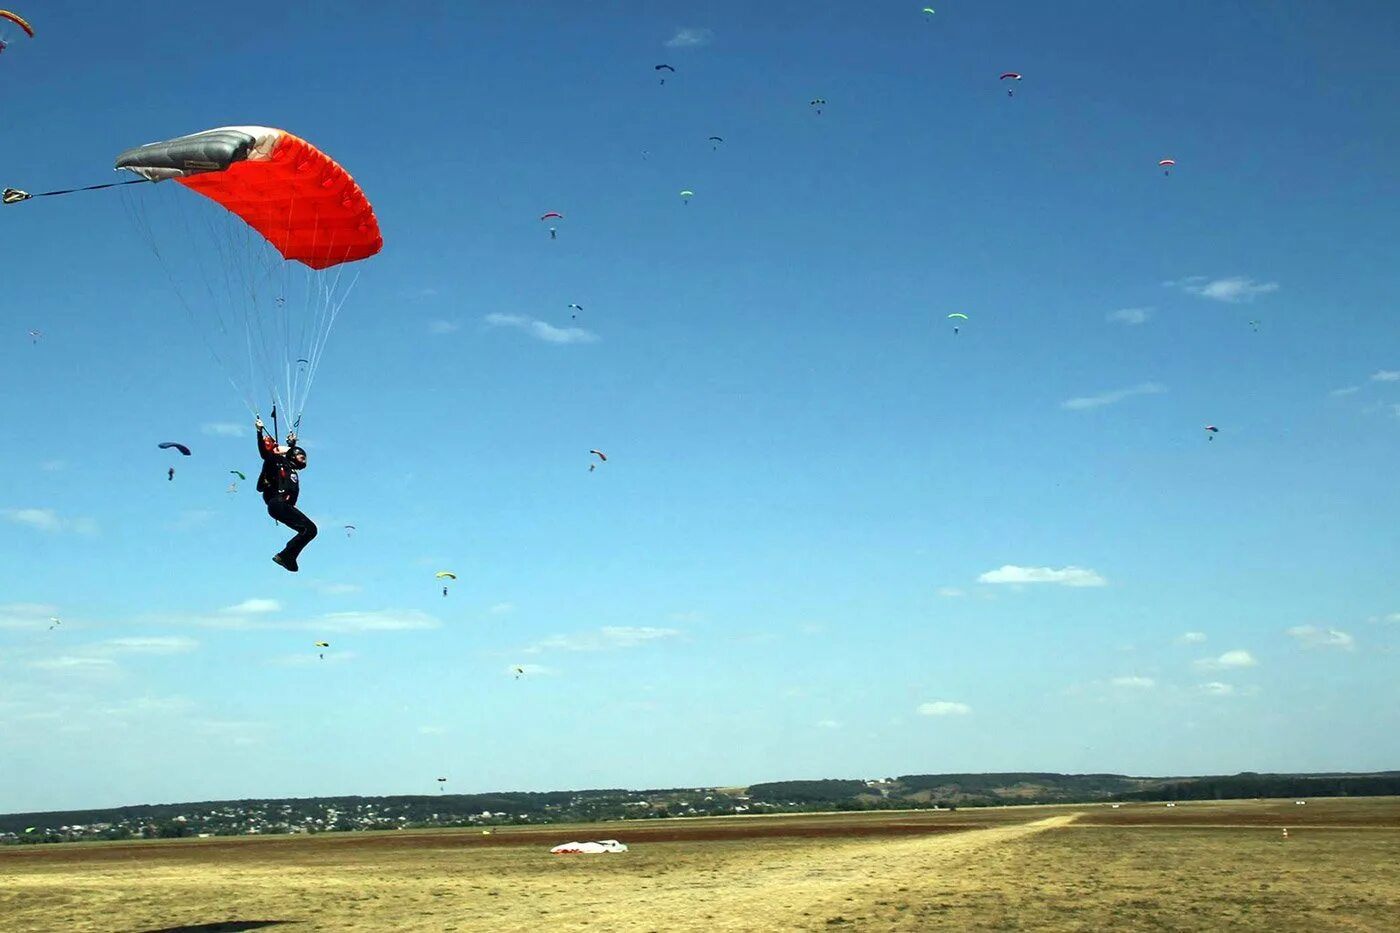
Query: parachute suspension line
column 140, row 218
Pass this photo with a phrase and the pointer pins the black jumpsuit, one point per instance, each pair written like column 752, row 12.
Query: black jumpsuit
column 279, row 487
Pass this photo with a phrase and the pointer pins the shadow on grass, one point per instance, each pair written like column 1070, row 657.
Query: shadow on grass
column 225, row 926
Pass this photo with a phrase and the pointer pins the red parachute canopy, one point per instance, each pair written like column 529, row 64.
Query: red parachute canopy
column 307, row 206
column 18, row 21
column 1012, row 75
column 1167, row 162
column 549, row 214
column 601, row 456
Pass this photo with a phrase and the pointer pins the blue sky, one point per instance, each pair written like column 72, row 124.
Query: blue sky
column 832, row 538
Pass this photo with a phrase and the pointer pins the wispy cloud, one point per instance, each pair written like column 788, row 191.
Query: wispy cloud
column 1230, row 659
column 828, row 724
column 432, row 730
column 1345, row 390
column 1386, row 375
column 253, row 606
column 53, row 466
column 154, row 644
column 944, row 708
column 1216, row 689
column 74, row 663
column 1235, row 289
column 500, row 609
column 50, row 521
column 1129, row 316
column 192, row 518
column 224, row 429
column 950, row 592
column 384, row 620
column 1115, row 395
column 440, row 326
column 689, row 37
column 1310, row 636
column 1191, row 638
column 541, row 330
column 327, row 588
column 1065, row 576
column 1136, row 683
column 528, row 670
column 26, row 615
column 606, row 638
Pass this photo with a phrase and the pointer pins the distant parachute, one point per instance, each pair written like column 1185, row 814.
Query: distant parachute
column 322, row 644
column 238, row 473
column 818, row 103
column 166, row 445
column 928, row 11
column 957, row 316
column 552, row 215
column 1211, row 431
column 34, row 335
column 600, row 455
column 686, row 196
column 576, row 309
column 1010, row 76
column 348, row 529
column 1167, row 164
column 665, row 68
column 446, row 573
column 716, row 140
column 518, row 671
column 54, row 620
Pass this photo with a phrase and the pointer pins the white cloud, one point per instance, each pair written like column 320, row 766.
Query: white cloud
column 541, row 330
column 689, row 38
column 1191, row 638
column 1389, row 617
column 43, row 519
column 253, row 606
column 384, row 620
column 500, row 609
column 192, row 518
column 225, row 429
column 1138, row 683
column 944, row 708
column 440, row 326
column 1088, row 402
column 950, row 592
column 1230, row 659
column 1235, row 289
column 1345, row 390
column 432, row 730
column 1066, row 576
column 1216, row 688
column 173, row 644
column 1311, row 636
column 53, row 466
column 605, row 638
column 1129, row 316
column 70, row 662
column 1386, row 375
column 828, row 724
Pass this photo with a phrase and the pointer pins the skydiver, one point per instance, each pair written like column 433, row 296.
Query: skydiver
column 444, row 591
column 170, row 474
column 280, row 486
column 553, row 233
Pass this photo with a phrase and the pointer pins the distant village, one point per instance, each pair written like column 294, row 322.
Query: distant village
column 910, row 791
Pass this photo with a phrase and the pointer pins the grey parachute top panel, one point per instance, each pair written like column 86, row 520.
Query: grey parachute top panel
column 210, row 151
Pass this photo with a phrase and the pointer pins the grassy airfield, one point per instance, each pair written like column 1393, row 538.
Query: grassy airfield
column 1196, row 866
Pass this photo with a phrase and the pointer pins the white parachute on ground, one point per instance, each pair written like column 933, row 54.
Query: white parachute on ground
column 589, row 848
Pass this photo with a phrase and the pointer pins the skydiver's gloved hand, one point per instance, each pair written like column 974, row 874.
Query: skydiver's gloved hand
column 257, row 423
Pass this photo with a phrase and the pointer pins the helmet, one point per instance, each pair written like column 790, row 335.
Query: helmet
column 295, row 453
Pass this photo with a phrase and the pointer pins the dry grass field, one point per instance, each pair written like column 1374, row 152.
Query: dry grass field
column 1198, row 866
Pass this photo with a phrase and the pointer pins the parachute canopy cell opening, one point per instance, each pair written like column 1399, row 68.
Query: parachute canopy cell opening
column 260, row 261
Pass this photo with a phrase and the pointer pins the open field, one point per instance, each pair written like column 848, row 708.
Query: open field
column 1196, row 866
